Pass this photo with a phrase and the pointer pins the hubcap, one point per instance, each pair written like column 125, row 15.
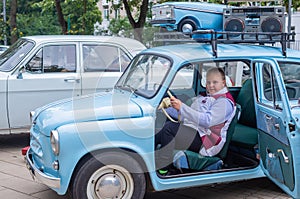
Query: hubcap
column 108, row 186
column 187, row 28
column 111, row 181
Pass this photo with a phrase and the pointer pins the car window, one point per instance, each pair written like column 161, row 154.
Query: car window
column 104, row 58
column 291, row 77
column 270, row 86
column 56, row 58
column 236, row 72
column 145, row 75
column 184, row 78
column 12, row 56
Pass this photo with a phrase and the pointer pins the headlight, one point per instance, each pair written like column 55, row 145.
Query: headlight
column 54, row 139
column 31, row 115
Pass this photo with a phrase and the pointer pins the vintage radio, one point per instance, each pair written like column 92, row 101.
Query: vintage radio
column 254, row 19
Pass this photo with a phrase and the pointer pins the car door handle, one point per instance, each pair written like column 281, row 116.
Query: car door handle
column 277, row 126
column 285, row 157
column 72, row 80
column 268, row 117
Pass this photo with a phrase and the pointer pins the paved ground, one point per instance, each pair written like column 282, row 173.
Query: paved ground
column 16, row 183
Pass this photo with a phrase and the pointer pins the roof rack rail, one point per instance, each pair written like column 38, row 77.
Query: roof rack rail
column 230, row 37
column 172, row 37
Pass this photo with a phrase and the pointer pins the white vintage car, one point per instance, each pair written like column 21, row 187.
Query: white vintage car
column 37, row 70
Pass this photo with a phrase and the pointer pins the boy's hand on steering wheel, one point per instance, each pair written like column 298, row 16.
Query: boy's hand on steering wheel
column 176, row 103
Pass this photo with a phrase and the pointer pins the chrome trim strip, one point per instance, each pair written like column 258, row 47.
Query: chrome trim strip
column 36, row 174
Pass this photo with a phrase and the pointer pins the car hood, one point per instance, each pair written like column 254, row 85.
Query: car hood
column 101, row 106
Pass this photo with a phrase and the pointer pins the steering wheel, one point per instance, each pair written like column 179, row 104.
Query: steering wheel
column 166, row 103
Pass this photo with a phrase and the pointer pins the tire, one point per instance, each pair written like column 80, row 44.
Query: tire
column 109, row 175
column 187, row 26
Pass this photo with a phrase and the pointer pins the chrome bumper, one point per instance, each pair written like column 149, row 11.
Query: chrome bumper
column 36, row 174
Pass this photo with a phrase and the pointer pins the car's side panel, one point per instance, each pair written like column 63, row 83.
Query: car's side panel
column 204, row 20
column 160, row 184
column 48, row 74
column 3, row 105
column 92, row 137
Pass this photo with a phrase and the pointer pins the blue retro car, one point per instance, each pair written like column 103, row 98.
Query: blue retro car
column 188, row 16
column 102, row 145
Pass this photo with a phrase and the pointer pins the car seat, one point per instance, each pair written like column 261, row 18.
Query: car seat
column 245, row 135
column 194, row 161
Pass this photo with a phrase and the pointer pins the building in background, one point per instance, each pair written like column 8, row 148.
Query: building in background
column 296, row 24
column 110, row 10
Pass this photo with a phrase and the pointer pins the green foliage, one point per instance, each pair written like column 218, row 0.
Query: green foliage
column 120, row 26
column 3, row 29
column 148, row 35
column 39, row 17
column 44, row 24
column 81, row 22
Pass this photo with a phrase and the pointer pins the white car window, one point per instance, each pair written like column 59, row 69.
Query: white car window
column 104, row 58
column 56, row 58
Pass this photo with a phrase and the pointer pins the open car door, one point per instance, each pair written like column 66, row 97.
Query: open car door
column 279, row 138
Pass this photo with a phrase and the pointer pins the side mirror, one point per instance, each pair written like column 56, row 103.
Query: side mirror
column 20, row 73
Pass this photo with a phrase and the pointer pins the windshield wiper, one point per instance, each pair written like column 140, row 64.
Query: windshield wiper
column 127, row 87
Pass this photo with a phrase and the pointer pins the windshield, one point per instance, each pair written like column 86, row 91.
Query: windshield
column 145, row 75
column 291, row 78
column 13, row 55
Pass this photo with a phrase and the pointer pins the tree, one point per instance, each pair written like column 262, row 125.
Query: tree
column 74, row 16
column 31, row 19
column 13, row 21
column 60, row 17
column 81, row 15
column 142, row 9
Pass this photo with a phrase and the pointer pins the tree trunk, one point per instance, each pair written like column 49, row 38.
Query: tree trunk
column 84, row 15
column 138, row 34
column 139, row 25
column 61, row 18
column 13, row 21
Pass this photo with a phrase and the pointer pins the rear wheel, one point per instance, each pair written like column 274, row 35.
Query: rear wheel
column 109, row 175
column 187, row 26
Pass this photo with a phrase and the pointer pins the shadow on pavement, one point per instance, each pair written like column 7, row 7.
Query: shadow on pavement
column 16, row 140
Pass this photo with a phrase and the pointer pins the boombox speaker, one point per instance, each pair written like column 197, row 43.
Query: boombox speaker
column 254, row 19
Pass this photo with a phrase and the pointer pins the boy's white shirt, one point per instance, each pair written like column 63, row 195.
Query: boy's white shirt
column 201, row 115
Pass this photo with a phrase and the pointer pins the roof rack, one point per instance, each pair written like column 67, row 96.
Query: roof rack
column 172, row 38
column 229, row 37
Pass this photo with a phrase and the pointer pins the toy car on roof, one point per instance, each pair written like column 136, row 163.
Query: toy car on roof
column 102, row 145
column 188, row 16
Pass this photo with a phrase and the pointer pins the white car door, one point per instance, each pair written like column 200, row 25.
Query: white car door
column 3, row 120
column 103, row 64
column 51, row 74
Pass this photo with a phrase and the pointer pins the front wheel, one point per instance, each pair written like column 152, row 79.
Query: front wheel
column 109, row 175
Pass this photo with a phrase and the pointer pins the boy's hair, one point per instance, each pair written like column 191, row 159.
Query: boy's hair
column 216, row 70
